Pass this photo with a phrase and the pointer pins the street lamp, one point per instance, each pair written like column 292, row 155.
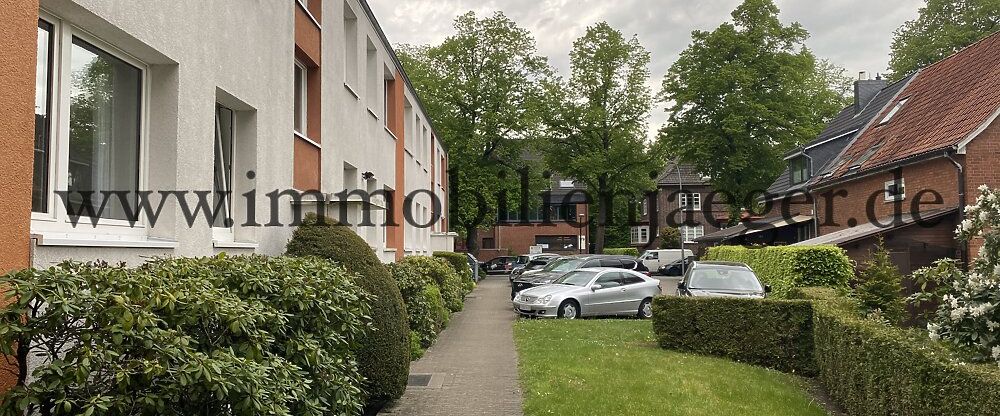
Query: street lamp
column 680, row 185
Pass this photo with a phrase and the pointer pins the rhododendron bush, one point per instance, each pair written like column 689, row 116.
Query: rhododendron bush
column 968, row 315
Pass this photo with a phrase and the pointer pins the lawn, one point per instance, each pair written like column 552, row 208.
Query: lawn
column 613, row 367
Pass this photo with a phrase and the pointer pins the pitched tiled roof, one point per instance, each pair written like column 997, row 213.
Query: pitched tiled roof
column 689, row 175
column 944, row 103
column 838, row 134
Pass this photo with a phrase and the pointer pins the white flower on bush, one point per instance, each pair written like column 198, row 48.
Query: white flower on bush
column 969, row 316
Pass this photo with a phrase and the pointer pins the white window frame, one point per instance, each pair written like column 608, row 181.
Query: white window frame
column 303, row 103
column 690, row 201
column 691, row 232
column 902, row 187
column 55, row 224
column 640, row 234
column 892, row 113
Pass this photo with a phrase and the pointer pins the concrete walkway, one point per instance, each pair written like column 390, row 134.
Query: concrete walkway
column 472, row 367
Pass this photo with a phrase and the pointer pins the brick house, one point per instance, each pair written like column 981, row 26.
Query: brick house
column 909, row 172
column 789, row 210
column 557, row 224
column 683, row 199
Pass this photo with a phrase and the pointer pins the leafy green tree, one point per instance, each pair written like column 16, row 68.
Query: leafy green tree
column 670, row 237
column 481, row 90
column 596, row 121
column 741, row 96
column 942, row 28
column 880, row 287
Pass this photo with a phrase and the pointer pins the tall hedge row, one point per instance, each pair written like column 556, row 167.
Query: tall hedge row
column 624, row 251
column 787, row 267
column 874, row 369
column 775, row 334
column 384, row 352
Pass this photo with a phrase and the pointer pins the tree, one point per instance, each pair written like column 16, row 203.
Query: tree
column 670, row 237
column 596, row 121
column 880, row 286
column 941, row 29
column 743, row 95
column 481, row 89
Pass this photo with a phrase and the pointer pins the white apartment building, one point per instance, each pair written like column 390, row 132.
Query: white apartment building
column 223, row 98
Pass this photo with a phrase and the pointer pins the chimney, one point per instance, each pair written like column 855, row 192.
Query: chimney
column 865, row 89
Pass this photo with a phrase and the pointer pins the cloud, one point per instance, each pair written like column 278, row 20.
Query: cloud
column 854, row 34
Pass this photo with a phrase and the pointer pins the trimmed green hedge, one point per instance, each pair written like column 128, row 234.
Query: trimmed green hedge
column 626, row 251
column 874, row 369
column 461, row 266
column 787, row 267
column 770, row 333
column 453, row 287
column 424, row 305
column 384, row 352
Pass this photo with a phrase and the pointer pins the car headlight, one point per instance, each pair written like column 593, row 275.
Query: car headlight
column 545, row 299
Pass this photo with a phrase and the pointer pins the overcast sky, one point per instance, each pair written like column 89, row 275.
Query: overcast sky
column 854, row 34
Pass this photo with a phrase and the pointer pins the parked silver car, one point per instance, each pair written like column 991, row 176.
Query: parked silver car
column 590, row 292
column 721, row 279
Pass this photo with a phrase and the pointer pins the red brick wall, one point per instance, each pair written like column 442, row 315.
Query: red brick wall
column 938, row 175
column 981, row 158
column 667, row 203
column 517, row 238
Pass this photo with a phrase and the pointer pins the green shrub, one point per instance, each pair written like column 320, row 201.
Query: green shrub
column 874, row 369
column 626, row 251
column 787, row 267
column 770, row 333
column 424, row 306
column 670, row 237
column 453, row 288
column 185, row 337
column 461, row 266
column 880, row 288
column 384, row 352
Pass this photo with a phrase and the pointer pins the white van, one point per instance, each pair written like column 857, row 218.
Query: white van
column 653, row 259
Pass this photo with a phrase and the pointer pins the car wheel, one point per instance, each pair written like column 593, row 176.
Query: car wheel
column 646, row 309
column 569, row 310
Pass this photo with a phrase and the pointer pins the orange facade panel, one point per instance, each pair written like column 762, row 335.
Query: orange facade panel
column 307, row 165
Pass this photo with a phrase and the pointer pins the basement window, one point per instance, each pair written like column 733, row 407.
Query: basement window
column 895, row 191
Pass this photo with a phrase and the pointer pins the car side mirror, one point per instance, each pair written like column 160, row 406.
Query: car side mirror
column 595, row 288
column 767, row 288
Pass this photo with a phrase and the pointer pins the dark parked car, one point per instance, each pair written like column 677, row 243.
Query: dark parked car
column 674, row 269
column 561, row 266
column 499, row 265
column 721, row 279
column 530, row 262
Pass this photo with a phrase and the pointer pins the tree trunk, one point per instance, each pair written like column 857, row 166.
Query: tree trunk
column 472, row 240
column 602, row 220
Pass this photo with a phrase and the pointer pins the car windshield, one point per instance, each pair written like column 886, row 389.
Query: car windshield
column 577, row 278
column 563, row 265
column 724, row 278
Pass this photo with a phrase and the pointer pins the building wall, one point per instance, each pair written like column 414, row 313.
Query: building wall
column 839, row 212
column 518, row 238
column 981, row 157
column 198, row 54
column 18, row 35
column 668, row 211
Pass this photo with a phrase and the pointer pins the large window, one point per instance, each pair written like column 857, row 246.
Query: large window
column 224, row 144
column 350, row 46
column 105, row 104
column 799, row 170
column 689, row 233
column 88, row 129
column 43, row 119
column 372, row 78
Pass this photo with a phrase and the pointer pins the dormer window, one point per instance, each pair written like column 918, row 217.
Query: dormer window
column 892, row 113
column 799, row 170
